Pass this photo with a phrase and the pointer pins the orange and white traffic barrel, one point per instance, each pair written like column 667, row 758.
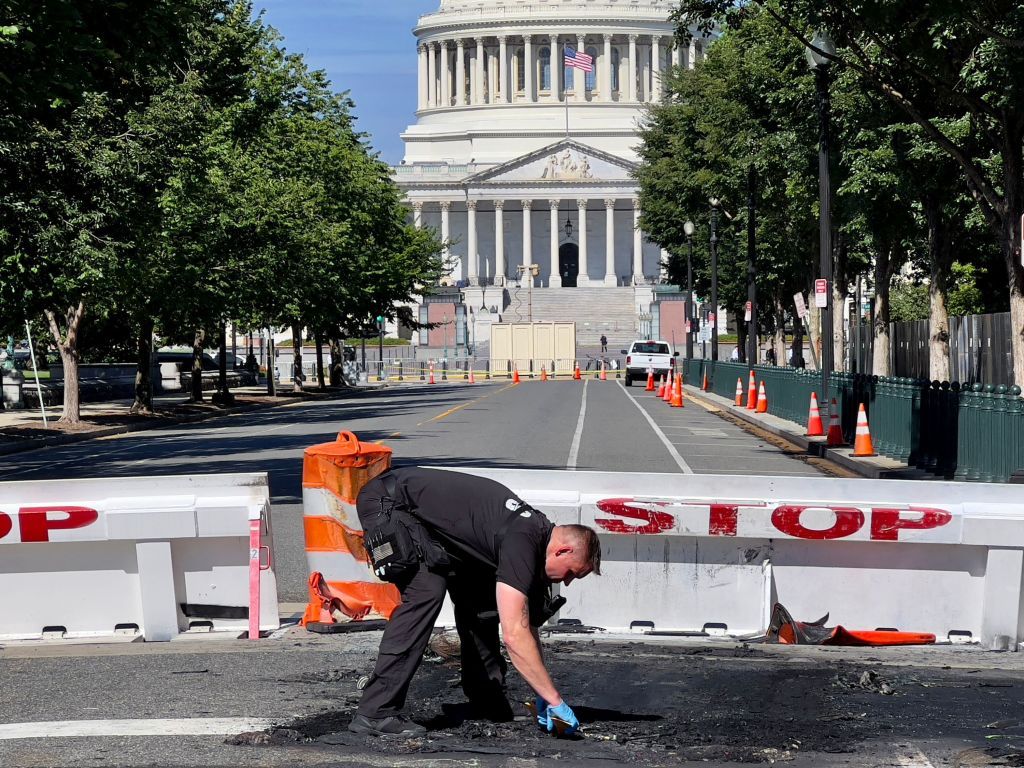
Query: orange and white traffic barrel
column 332, row 476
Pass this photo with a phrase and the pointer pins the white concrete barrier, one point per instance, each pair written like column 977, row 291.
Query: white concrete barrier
column 695, row 552
column 153, row 555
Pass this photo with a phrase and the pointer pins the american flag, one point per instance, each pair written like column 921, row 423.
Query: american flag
column 578, row 59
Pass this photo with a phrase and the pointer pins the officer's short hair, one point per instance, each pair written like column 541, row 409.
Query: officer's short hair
column 585, row 538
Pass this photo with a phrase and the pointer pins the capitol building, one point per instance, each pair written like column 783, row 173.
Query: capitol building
column 526, row 165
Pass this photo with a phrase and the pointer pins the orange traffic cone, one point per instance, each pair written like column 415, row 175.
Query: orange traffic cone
column 704, row 384
column 835, row 432
column 862, row 442
column 432, row 373
column 739, row 390
column 650, row 382
column 751, row 393
column 661, row 387
column 576, row 372
column 543, row 373
column 667, row 397
column 472, row 377
column 604, row 372
column 677, row 393
column 762, row 400
column 814, row 426
column 515, row 374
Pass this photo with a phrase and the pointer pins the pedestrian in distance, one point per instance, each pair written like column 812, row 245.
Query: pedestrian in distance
column 604, row 344
column 432, row 531
column 735, row 354
column 770, row 356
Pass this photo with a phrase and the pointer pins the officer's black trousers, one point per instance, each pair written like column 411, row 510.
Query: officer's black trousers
column 472, row 589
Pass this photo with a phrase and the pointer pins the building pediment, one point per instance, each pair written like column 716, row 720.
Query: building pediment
column 566, row 161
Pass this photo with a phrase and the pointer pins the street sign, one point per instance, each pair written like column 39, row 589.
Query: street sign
column 821, row 293
column 801, row 308
column 711, row 319
column 748, row 313
column 687, row 326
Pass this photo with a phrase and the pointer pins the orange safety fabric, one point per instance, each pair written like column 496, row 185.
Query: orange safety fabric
column 324, row 534
column 360, row 461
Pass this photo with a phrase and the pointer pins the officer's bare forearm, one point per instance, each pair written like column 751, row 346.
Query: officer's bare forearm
column 523, row 646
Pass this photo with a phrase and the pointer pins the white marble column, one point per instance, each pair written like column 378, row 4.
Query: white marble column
column 527, row 240
column 579, row 76
column 472, row 251
column 431, row 74
column 446, row 229
column 638, row 246
column 556, row 69
column 632, row 68
column 606, row 70
column 663, row 271
column 692, row 53
column 528, row 63
column 478, row 71
column 421, row 77
column 499, row 242
column 491, row 97
column 417, row 215
column 504, row 70
column 609, row 243
column 584, row 278
column 460, row 72
column 655, row 68
column 677, row 54
column 446, row 76
column 555, row 281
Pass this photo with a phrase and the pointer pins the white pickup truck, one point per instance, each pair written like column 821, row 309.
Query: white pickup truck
column 645, row 355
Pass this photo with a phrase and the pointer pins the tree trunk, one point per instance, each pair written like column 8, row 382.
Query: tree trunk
column 68, row 348
column 741, row 340
column 144, row 366
column 881, row 357
column 337, row 362
column 840, row 286
column 779, row 334
column 197, row 365
column 939, row 250
column 796, row 355
column 297, row 376
column 319, row 341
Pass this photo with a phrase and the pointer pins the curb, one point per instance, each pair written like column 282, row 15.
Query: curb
column 813, row 447
column 33, row 444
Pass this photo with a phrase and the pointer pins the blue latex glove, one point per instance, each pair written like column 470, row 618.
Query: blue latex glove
column 563, row 712
column 542, row 712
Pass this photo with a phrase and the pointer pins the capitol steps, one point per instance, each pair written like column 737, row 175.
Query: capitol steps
column 596, row 311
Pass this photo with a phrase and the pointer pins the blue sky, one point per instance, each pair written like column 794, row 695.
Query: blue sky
column 366, row 47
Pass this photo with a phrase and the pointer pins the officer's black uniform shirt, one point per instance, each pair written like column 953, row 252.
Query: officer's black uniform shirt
column 468, row 512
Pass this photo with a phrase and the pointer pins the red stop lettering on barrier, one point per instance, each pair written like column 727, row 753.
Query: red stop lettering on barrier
column 887, row 523
column 787, row 519
column 36, row 524
column 656, row 522
column 5, row 524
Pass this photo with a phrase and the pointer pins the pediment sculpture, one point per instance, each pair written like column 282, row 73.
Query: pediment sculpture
column 569, row 165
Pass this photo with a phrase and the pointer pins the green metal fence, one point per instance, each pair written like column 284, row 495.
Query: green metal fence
column 974, row 432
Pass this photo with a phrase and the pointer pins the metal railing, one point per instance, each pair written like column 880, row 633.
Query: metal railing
column 969, row 432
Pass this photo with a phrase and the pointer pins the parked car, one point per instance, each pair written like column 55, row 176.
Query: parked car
column 646, row 355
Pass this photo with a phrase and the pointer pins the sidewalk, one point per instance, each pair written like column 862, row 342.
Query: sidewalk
column 874, row 467
column 23, row 430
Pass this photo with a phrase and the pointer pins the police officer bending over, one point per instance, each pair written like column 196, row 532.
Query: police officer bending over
column 430, row 531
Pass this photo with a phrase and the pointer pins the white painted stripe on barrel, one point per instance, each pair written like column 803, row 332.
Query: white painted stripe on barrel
column 184, row 726
column 340, row 566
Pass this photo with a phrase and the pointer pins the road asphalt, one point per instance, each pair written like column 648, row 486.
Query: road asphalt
column 666, row 702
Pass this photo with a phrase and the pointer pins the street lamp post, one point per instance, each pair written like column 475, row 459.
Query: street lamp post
column 714, row 278
column 751, row 268
column 690, row 319
column 819, row 56
column 380, row 347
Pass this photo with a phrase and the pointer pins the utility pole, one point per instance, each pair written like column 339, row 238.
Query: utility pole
column 714, row 278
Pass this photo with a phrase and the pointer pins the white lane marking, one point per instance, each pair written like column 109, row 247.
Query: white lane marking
column 914, row 758
column 683, row 466
column 184, row 726
column 574, row 451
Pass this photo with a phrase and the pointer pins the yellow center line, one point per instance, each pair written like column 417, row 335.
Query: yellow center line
column 450, row 411
column 393, row 434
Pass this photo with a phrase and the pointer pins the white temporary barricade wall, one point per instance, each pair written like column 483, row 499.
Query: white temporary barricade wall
column 689, row 551
column 154, row 553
